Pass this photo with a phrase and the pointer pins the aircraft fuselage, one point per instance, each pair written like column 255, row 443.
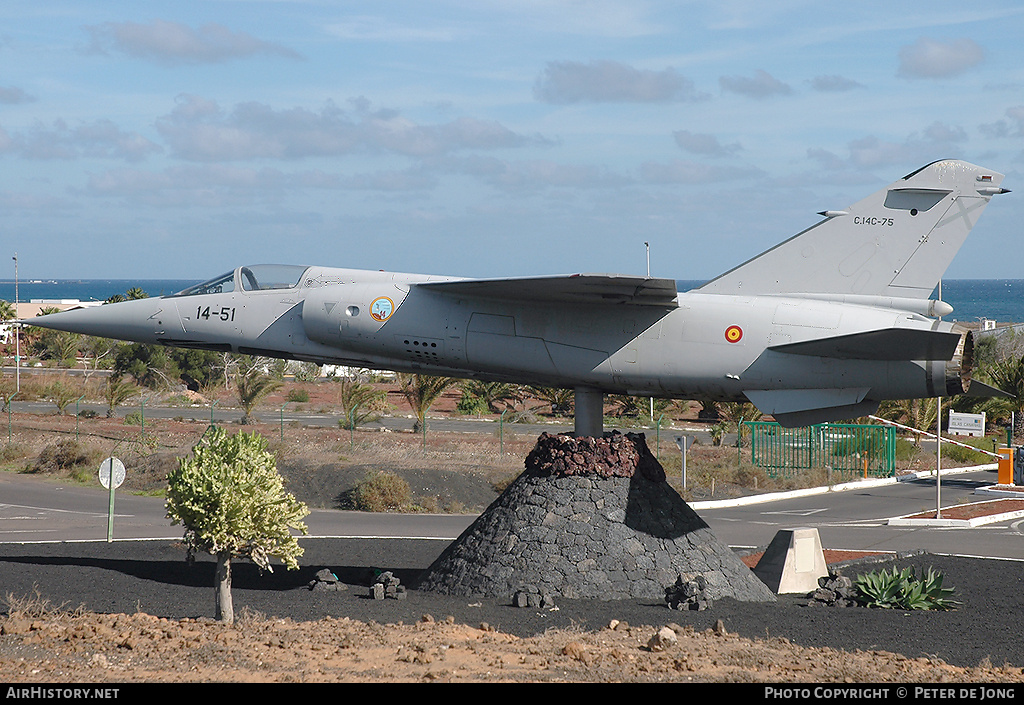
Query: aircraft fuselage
column 712, row 345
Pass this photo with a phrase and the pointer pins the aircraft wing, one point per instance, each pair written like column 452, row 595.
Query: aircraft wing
column 566, row 288
column 887, row 344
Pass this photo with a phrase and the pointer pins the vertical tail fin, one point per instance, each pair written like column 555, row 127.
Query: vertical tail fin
column 897, row 242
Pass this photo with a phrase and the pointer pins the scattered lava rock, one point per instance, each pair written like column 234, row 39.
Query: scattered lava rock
column 387, row 587
column 834, row 590
column 326, row 581
column 688, row 593
column 532, row 596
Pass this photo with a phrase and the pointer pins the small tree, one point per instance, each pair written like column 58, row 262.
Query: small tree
column 494, row 397
column 231, row 500
column 359, row 402
column 252, row 383
column 62, row 393
column 117, row 392
column 421, row 391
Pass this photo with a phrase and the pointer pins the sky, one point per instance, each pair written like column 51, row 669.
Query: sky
column 486, row 138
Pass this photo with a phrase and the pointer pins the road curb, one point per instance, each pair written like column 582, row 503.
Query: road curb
column 841, row 487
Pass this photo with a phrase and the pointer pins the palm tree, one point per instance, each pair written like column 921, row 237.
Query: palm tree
column 491, row 394
column 561, row 400
column 359, row 401
column 1008, row 375
column 117, row 392
column 252, row 384
column 917, row 413
column 421, row 391
column 627, row 405
column 737, row 412
column 62, row 393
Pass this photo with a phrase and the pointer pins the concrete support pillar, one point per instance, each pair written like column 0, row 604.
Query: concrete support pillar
column 589, row 412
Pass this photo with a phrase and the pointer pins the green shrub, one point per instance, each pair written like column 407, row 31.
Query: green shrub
column 382, row 491
column 472, row 405
column 959, row 454
column 906, row 450
column 904, row 590
column 298, row 395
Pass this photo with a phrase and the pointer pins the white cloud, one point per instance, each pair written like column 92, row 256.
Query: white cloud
column 936, row 58
column 940, row 132
column 834, row 84
column 171, row 43
column 99, row 139
column 707, row 145
column 1012, row 126
column 532, row 175
column 762, row 85
column 208, row 185
column 678, row 171
column 936, row 141
column 610, row 82
column 197, row 129
column 12, row 95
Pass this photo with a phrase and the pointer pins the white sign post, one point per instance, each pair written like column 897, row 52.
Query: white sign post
column 111, row 476
column 684, row 442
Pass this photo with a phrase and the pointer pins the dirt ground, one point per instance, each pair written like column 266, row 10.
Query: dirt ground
column 45, row 643
column 116, row 648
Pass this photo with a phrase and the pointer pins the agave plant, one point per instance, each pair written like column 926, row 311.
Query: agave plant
column 881, row 588
column 902, row 589
column 928, row 593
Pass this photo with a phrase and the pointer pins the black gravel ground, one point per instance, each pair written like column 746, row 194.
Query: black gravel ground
column 153, row 577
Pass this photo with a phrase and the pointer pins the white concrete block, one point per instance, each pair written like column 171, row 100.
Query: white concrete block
column 793, row 562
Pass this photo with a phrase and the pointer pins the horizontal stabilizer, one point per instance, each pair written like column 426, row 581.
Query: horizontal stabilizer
column 980, row 389
column 886, row 344
column 803, row 407
column 567, row 288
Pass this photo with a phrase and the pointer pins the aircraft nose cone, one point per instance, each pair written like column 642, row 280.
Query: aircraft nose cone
column 141, row 320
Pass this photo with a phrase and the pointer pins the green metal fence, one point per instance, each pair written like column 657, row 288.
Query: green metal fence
column 852, row 450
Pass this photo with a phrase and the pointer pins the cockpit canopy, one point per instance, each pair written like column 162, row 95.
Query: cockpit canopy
column 256, row 277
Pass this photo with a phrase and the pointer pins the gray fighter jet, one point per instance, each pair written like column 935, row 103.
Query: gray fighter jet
column 819, row 328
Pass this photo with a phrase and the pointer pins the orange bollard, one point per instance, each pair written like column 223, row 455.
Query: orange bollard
column 1005, row 475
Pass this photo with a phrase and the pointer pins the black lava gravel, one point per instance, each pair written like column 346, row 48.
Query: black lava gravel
column 154, row 577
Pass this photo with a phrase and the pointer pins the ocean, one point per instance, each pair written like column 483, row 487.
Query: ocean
column 1001, row 300
column 88, row 289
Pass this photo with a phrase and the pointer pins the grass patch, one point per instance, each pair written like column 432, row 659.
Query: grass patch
column 35, row 606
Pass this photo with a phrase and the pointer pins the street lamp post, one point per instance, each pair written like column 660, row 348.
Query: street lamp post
column 17, row 330
column 647, row 246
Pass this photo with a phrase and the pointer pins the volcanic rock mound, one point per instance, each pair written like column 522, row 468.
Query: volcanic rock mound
column 590, row 518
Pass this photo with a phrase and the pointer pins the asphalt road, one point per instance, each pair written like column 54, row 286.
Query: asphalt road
column 34, row 509
column 856, row 519
column 392, row 423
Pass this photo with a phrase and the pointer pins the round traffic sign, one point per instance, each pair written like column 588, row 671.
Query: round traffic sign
column 111, row 473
